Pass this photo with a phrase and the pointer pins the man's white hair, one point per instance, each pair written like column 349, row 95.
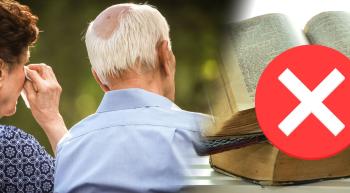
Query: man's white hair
column 139, row 31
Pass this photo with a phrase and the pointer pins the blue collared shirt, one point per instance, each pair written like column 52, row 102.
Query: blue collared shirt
column 137, row 141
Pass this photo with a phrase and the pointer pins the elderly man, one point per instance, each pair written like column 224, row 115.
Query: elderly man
column 138, row 140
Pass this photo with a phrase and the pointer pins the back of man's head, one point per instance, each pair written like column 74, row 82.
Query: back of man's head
column 124, row 35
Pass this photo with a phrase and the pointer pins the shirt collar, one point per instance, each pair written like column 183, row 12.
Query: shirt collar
column 133, row 98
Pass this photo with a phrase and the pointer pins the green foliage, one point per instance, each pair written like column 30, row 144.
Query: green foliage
column 194, row 31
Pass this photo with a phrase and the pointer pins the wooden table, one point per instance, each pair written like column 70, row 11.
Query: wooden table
column 204, row 180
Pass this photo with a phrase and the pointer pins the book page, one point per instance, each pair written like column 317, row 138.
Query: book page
column 330, row 29
column 255, row 42
column 232, row 79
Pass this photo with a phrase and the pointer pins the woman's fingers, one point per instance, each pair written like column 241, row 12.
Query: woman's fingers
column 44, row 70
column 29, row 90
column 37, row 80
column 37, row 67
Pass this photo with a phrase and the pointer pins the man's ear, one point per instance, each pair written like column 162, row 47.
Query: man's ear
column 103, row 86
column 164, row 57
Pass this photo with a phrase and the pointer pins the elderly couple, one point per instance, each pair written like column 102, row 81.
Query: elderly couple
column 137, row 141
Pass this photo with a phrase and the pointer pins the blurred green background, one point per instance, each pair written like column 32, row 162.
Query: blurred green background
column 194, row 27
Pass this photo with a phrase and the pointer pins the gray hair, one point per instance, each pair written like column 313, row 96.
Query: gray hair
column 140, row 29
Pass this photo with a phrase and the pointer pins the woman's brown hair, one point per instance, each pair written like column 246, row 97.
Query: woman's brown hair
column 18, row 30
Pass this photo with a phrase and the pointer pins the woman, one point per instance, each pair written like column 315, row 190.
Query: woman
column 25, row 166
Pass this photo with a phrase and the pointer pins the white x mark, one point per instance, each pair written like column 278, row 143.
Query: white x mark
column 311, row 102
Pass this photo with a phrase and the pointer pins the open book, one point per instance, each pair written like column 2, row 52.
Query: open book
column 250, row 46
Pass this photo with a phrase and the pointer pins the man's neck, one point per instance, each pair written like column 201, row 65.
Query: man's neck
column 142, row 83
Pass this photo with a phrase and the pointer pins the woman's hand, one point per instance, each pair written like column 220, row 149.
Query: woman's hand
column 43, row 93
